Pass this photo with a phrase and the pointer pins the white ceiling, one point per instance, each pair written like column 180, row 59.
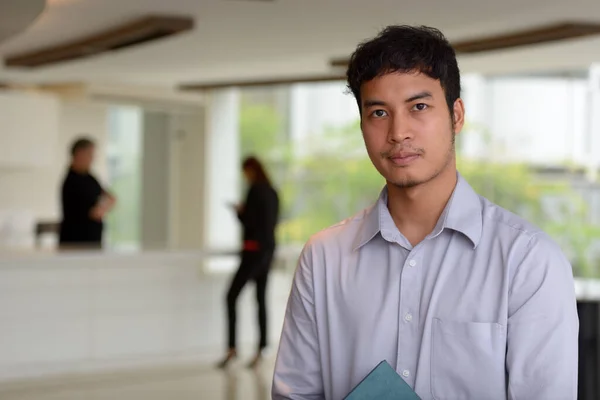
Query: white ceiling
column 16, row 15
column 240, row 39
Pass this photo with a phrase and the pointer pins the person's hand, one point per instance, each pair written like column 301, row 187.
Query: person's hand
column 107, row 201
column 111, row 201
column 97, row 213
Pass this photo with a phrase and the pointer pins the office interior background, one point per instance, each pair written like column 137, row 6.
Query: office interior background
column 173, row 118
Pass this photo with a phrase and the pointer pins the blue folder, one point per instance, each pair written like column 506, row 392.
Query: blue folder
column 382, row 383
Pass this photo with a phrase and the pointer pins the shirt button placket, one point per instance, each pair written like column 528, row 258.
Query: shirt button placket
column 406, row 355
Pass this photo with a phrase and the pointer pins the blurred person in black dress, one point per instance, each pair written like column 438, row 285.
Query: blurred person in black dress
column 84, row 201
column 258, row 216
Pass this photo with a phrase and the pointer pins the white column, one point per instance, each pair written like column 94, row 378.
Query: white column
column 155, row 181
column 592, row 141
column 299, row 119
column 475, row 140
column 187, row 185
column 222, row 172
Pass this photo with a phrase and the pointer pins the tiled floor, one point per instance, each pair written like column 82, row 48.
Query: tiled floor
column 176, row 383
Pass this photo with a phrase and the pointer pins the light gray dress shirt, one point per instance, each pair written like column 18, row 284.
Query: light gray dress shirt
column 483, row 308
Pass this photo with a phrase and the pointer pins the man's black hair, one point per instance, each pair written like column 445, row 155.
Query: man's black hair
column 406, row 49
column 81, row 144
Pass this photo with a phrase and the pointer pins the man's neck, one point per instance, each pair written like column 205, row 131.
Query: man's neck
column 416, row 210
column 79, row 169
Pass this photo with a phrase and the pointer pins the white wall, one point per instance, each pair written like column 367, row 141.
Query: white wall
column 29, row 131
column 28, row 117
column 34, row 193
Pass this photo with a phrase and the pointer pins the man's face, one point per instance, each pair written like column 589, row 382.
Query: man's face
column 407, row 127
column 85, row 157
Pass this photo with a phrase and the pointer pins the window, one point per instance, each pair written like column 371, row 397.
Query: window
column 124, row 170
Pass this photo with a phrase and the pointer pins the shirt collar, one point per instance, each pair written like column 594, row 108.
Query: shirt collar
column 463, row 214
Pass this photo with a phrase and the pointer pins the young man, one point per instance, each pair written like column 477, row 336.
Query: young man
column 463, row 298
column 84, row 201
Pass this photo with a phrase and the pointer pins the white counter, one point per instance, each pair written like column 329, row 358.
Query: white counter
column 68, row 313
column 587, row 289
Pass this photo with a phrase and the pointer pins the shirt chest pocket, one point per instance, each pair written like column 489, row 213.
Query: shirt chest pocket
column 468, row 360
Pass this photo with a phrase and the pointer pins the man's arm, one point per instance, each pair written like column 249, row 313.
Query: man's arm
column 297, row 370
column 112, row 200
column 543, row 325
column 106, row 203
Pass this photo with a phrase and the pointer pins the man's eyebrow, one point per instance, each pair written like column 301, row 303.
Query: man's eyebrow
column 419, row 96
column 373, row 103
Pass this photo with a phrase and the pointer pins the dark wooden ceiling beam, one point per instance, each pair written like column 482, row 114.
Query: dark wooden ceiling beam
column 140, row 31
column 261, row 82
column 551, row 33
column 526, row 37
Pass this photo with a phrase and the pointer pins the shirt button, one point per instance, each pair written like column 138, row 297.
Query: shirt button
column 408, row 317
column 406, row 373
column 412, row 263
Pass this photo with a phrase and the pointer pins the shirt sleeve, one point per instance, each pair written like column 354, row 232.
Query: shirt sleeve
column 101, row 190
column 542, row 345
column 297, row 369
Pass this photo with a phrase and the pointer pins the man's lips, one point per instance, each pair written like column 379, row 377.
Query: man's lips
column 403, row 158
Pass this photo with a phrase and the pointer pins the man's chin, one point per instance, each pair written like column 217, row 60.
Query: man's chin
column 409, row 180
column 405, row 182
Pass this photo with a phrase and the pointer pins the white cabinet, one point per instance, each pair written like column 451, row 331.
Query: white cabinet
column 29, row 126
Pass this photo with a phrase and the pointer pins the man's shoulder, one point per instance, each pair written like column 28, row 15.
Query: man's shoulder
column 503, row 224
column 500, row 220
column 341, row 234
column 527, row 250
column 69, row 178
column 93, row 181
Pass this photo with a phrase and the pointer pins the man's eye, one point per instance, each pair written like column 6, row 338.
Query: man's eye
column 379, row 113
column 420, row 107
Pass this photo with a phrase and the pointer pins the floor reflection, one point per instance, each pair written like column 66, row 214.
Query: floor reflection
column 239, row 383
column 181, row 383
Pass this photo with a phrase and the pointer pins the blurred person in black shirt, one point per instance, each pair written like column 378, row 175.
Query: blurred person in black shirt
column 84, row 201
column 258, row 216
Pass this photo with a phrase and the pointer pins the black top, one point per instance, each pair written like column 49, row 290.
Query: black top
column 260, row 215
column 80, row 193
